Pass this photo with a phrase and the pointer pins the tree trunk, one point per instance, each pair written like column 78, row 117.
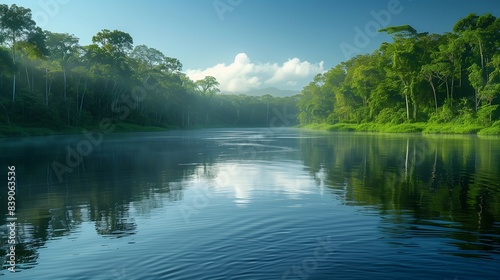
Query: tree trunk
column 407, row 107
column 14, row 89
column 14, row 60
column 414, row 110
column 434, row 92
column 77, row 93
column 452, row 82
column 33, row 78
column 476, row 99
column 83, row 96
column 27, row 76
column 447, row 88
column 481, row 52
column 64, row 79
column 46, row 88
column 50, row 88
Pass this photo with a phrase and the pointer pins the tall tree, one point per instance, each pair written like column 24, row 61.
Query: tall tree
column 17, row 24
column 405, row 61
column 481, row 33
column 208, row 86
column 477, row 81
column 63, row 48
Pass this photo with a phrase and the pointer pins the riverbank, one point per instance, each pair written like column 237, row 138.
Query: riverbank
column 21, row 131
column 121, row 127
column 424, row 128
column 421, row 127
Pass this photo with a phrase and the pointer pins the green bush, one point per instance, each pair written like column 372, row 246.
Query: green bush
column 494, row 129
column 390, row 115
column 451, row 128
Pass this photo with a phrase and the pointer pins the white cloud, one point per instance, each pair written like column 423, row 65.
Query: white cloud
column 243, row 75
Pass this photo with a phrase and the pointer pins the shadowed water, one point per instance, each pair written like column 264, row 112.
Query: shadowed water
column 256, row 204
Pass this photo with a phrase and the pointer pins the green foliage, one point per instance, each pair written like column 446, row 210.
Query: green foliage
column 48, row 81
column 390, row 116
column 451, row 128
column 420, row 82
column 445, row 113
column 494, row 129
column 484, row 114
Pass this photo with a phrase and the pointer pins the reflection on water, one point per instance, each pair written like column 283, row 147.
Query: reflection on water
column 251, row 203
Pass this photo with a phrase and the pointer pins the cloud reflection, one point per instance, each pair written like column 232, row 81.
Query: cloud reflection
column 246, row 182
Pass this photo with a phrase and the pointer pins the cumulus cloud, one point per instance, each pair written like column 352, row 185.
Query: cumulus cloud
column 243, row 75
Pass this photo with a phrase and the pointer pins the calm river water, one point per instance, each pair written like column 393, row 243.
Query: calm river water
column 253, row 204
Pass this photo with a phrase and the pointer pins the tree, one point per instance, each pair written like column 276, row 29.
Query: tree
column 477, row 81
column 364, row 76
column 208, row 85
column 16, row 23
column 405, row 52
column 149, row 59
column 114, row 43
column 63, row 48
column 481, row 33
column 112, row 48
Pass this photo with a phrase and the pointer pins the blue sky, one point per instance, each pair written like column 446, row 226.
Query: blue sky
column 250, row 44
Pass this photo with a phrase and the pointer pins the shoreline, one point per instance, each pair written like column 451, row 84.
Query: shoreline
column 15, row 131
column 411, row 128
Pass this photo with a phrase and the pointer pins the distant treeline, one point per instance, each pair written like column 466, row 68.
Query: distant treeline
column 420, row 77
column 48, row 80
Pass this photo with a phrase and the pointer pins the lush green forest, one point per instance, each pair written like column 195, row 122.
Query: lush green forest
column 49, row 82
column 435, row 83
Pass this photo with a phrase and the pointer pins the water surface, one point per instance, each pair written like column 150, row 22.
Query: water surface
column 256, row 204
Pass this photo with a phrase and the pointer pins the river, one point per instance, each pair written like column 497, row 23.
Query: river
column 270, row 203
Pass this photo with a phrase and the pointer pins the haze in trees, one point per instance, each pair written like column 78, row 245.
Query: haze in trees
column 48, row 80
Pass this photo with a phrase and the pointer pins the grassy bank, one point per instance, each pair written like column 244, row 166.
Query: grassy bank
column 425, row 128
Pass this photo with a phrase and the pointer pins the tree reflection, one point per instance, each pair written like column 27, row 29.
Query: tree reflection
column 121, row 176
column 452, row 181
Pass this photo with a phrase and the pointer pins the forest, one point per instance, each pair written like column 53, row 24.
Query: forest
column 420, row 82
column 50, row 83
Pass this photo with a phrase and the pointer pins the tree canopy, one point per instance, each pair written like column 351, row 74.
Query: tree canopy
column 418, row 77
column 49, row 80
